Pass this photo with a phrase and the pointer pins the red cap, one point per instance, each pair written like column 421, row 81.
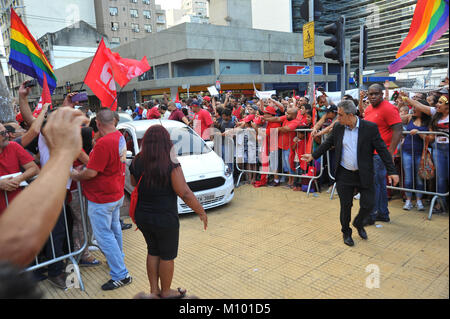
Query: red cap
column 297, row 97
column 207, row 98
column 19, row 117
column 270, row 110
column 249, row 118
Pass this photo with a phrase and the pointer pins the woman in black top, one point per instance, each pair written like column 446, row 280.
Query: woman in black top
column 157, row 211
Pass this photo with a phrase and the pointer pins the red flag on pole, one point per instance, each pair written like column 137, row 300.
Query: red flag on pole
column 100, row 79
column 45, row 98
column 124, row 70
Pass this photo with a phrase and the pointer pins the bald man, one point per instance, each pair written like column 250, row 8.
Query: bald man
column 103, row 182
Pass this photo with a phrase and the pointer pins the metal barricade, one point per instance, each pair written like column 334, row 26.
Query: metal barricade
column 74, row 277
column 435, row 194
column 268, row 172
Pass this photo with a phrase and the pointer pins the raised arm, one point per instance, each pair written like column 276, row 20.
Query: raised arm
column 423, row 108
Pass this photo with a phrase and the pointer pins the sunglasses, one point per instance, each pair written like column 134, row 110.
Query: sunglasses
column 3, row 133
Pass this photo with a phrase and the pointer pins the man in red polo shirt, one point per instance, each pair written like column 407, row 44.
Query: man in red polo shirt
column 103, row 182
column 13, row 159
column 272, row 142
column 389, row 123
column 202, row 121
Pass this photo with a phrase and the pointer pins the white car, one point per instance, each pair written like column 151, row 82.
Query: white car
column 205, row 171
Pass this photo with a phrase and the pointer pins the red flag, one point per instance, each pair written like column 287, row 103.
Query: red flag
column 100, row 79
column 125, row 70
column 45, row 98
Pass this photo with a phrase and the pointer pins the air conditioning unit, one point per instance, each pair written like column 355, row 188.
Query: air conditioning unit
column 114, row 28
column 135, row 29
column 148, row 30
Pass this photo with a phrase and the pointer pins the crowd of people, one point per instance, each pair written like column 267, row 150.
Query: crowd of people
column 269, row 139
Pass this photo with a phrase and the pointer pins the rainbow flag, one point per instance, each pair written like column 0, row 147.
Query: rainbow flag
column 26, row 55
column 429, row 23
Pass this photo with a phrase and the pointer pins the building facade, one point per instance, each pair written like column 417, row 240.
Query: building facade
column 196, row 56
column 124, row 21
column 191, row 11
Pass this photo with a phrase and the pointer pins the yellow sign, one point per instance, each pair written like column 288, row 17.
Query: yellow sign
column 308, row 40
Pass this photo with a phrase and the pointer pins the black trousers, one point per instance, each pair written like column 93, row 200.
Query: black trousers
column 347, row 184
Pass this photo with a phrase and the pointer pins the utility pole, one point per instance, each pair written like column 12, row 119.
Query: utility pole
column 311, row 60
column 343, row 68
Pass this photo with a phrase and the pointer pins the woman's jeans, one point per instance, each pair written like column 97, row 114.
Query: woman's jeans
column 440, row 157
column 411, row 165
column 108, row 232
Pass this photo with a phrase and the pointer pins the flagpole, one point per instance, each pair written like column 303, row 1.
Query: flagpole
column 117, row 96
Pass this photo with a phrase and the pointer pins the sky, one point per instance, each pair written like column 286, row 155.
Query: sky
column 169, row 4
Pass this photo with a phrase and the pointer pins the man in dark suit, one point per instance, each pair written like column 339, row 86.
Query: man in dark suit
column 355, row 141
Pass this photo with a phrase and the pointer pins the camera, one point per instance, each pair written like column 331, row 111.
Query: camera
column 80, row 97
column 30, row 83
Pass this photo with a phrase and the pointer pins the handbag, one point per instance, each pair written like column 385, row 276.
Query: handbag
column 134, row 200
column 426, row 169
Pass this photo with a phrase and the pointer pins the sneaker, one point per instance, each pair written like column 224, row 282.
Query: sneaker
column 125, row 226
column 273, row 184
column 382, row 219
column 357, row 196
column 408, row 206
column 420, row 206
column 114, row 284
column 58, row 281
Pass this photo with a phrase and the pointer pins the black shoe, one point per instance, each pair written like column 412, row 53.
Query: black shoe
column 362, row 233
column 114, row 284
column 368, row 221
column 125, row 226
column 382, row 219
column 348, row 240
column 274, row 184
column 58, row 281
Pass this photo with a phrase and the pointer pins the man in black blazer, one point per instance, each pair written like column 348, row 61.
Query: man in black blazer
column 355, row 141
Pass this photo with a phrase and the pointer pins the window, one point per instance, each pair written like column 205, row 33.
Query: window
column 161, row 19
column 147, row 14
column 134, row 13
column 135, row 27
column 146, row 1
column 133, row 1
column 114, row 26
column 148, row 28
column 115, row 40
column 113, row 11
column 240, row 67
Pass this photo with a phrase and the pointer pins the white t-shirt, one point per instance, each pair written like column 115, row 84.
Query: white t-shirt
column 45, row 155
column 442, row 126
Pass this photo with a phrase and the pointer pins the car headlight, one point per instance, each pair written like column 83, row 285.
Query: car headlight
column 227, row 171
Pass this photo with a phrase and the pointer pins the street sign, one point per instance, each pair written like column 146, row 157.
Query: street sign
column 308, row 40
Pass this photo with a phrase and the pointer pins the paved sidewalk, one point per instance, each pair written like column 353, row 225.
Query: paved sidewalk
column 275, row 243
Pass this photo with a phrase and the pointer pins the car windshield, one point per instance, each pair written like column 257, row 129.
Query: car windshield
column 185, row 141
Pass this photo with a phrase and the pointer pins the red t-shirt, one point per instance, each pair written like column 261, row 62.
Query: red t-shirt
column 12, row 159
column 384, row 116
column 202, row 121
column 108, row 159
column 285, row 139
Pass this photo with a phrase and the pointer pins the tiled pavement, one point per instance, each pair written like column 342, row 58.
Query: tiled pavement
column 275, row 243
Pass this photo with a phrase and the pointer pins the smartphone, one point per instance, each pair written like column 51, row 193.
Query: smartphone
column 30, row 83
column 80, row 97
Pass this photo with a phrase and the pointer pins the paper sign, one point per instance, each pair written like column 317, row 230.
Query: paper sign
column 213, row 91
column 264, row 95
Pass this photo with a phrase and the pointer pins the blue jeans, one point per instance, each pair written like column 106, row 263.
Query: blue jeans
column 440, row 157
column 411, row 169
column 381, row 200
column 108, row 232
column 286, row 166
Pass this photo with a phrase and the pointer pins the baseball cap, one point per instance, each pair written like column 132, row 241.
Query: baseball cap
column 254, row 107
column 249, row 118
column 195, row 103
column 270, row 110
column 207, row 98
column 331, row 108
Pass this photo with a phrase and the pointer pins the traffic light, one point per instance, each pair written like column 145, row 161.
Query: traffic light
column 336, row 30
column 356, row 77
column 356, row 42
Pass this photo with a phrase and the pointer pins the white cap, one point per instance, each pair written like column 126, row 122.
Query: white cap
column 137, row 104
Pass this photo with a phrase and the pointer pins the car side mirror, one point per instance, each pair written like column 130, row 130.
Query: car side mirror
column 129, row 155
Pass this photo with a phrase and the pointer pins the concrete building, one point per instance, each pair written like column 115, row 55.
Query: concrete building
column 124, row 21
column 191, row 11
column 71, row 44
column 198, row 54
column 42, row 17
